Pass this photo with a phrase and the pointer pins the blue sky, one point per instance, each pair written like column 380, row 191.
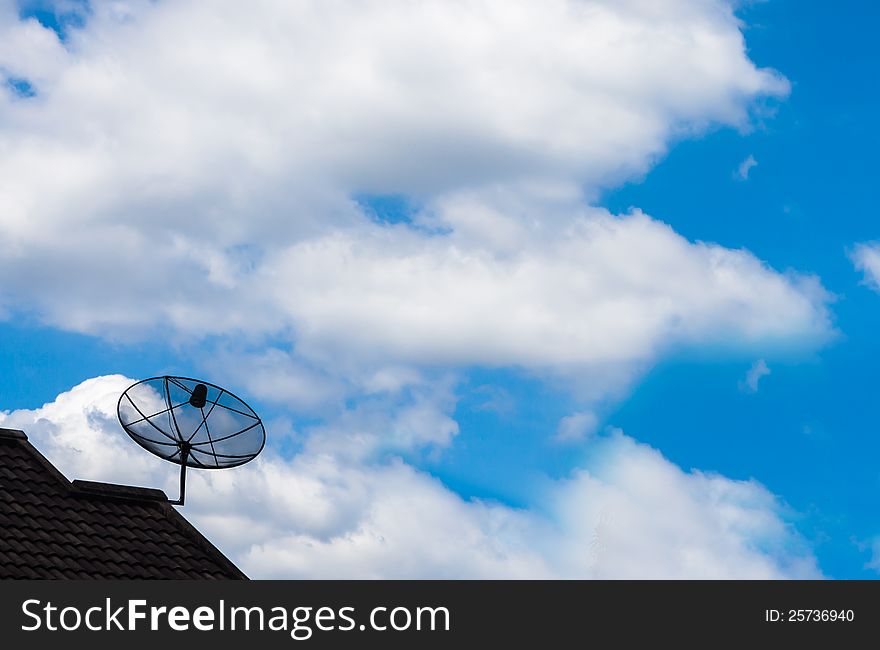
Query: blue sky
column 807, row 434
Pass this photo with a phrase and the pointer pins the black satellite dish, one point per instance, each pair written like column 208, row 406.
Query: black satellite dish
column 192, row 423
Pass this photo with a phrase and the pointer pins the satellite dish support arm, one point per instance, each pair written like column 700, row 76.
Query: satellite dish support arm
column 184, row 452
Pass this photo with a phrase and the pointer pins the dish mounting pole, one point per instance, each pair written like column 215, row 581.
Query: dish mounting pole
column 184, row 453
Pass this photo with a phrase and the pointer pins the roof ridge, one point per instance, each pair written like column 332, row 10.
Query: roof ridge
column 12, row 434
column 118, row 491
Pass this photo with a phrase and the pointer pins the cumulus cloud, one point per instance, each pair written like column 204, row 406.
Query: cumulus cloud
column 199, row 181
column 282, row 377
column 630, row 514
column 866, row 258
column 601, row 290
column 434, row 95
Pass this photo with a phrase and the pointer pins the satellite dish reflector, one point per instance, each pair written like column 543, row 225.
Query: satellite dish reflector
column 192, row 423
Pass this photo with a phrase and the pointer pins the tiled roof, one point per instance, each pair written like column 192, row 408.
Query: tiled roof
column 52, row 528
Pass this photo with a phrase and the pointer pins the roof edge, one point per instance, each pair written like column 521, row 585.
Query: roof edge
column 116, row 491
column 198, row 537
column 12, row 434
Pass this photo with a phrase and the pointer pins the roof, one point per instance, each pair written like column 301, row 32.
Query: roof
column 52, row 528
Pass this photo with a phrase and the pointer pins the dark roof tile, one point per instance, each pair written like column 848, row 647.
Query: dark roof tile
column 55, row 529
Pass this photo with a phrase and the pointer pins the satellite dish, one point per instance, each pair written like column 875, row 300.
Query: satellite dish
column 192, row 423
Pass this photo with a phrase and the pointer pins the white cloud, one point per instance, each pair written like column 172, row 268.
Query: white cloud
column 866, row 258
column 196, row 182
column 600, row 290
column 74, row 431
column 576, row 427
column 753, row 376
column 631, row 514
column 280, row 376
column 742, row 172
column 434, row 95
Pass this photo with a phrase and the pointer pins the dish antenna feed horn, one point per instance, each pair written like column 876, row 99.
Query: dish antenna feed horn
column 191, row 423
